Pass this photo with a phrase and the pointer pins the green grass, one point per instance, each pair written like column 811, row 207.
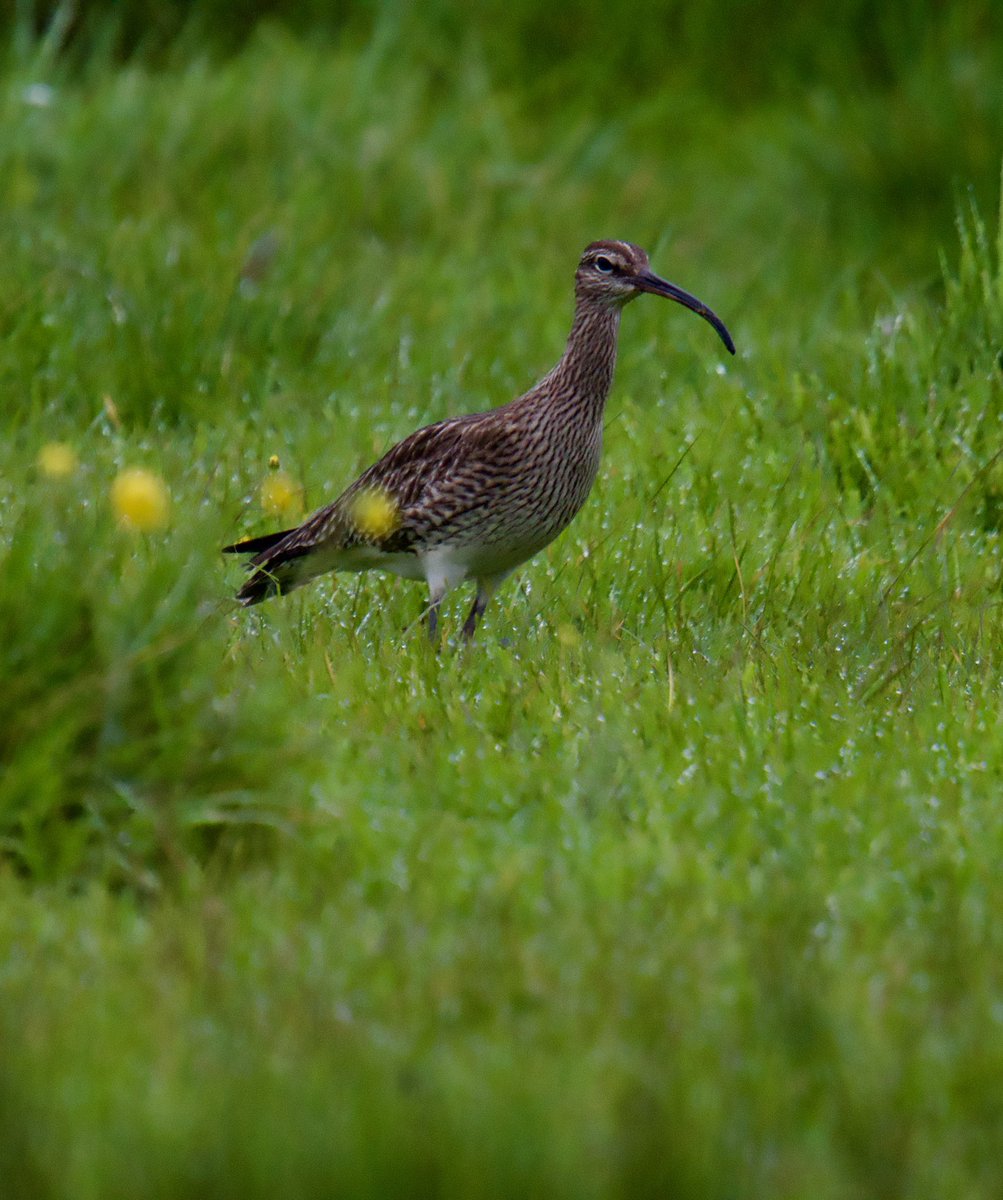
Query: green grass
column 684, row 879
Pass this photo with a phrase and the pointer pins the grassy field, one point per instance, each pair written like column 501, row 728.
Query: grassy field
column 684, row 880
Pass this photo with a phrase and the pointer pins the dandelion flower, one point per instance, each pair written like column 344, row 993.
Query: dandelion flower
column 57, row 460
column 281, row 494
column 375, row 513
column 140, row 500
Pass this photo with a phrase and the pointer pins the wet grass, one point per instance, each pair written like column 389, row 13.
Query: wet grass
column 684, row 879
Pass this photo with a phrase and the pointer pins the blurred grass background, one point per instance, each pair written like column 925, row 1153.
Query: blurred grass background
column 685, row 880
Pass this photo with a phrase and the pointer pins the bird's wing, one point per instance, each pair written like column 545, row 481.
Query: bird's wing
column 428, row 479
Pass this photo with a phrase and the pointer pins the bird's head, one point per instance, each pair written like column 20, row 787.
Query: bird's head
column 613, row 273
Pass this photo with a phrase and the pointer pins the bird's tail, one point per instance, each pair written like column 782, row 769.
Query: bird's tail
column 256, row 545
column 275, row 567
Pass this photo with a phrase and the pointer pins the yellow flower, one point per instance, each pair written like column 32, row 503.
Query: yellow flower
column 375, row 513
column 57, row 460
column 281, row 494
column 273, row 463
column 141, row 500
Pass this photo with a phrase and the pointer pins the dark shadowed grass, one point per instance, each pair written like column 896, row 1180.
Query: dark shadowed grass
column 684, row 879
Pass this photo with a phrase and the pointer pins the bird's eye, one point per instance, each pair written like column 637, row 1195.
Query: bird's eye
column 604, row 265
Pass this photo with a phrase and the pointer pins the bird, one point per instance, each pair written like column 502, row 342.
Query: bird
column 473, row 497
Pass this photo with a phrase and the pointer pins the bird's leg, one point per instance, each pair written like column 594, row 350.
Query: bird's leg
column 486, row 588
column 480, row 604
column 435, row 595
column 433, row 621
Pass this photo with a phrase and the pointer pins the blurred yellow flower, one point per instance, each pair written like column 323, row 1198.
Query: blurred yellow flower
column 140, row 500
column 57, row 460
column 273, row 463
column 375, row 513
column 281, row 494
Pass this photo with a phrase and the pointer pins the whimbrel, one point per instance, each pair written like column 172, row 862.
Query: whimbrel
column 473, row 497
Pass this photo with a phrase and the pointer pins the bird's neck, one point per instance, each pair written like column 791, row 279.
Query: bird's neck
column 585, row 372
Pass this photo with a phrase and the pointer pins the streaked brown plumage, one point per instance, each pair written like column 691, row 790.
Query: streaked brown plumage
column 473, row 497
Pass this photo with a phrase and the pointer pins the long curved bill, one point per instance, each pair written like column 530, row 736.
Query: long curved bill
column 661, row 287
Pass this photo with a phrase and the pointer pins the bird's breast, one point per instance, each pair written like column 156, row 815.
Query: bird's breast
column 536, row 499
